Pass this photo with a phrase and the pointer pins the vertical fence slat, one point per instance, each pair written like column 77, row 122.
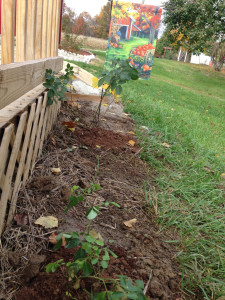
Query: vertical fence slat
column 9, row 174
column 4, row 148
column 53, row 33
column 21, row 164
column 58, row 11
column 32, row 141
column 38, row 136
column 7, row 31
column 44, row 29
column 38, row 33
column 20, row 30
column 49, row 33
column 30, row 29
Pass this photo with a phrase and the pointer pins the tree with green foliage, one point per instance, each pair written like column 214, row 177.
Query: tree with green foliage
column 196, row 24
column 68, row 19
column 103, row 22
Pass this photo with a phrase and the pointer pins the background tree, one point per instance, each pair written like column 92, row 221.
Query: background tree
column 198, row 23
column 102, row 22
column 68, row 19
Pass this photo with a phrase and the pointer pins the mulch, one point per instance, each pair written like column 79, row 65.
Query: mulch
column 103, row 154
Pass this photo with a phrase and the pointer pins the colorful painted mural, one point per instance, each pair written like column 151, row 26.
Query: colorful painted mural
column 133, row 35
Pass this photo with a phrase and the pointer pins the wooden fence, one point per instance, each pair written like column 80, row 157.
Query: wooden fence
column 30, row 32
column 21, row 142
column 36, row 24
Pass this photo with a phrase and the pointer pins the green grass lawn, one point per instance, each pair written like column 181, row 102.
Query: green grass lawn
column 183, row 105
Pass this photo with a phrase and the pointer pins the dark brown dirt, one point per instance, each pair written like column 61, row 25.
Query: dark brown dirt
column 142, row 249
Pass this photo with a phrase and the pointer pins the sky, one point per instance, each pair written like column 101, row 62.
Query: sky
column 94, row 6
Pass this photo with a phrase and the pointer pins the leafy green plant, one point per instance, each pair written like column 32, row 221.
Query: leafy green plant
column 112, row 80
column 57, row 85
column 92, row 256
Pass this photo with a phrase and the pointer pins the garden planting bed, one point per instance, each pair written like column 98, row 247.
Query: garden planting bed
column 89, row 152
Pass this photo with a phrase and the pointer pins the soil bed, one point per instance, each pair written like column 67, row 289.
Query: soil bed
column 103, row 153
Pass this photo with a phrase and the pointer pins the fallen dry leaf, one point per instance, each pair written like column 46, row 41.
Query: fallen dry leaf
column 207, row 169
column 52, row 239
column 70, row 125
column 47, row 222
column 21, row 220
column 166, row 145
column 172, row 109
column 96, row 235
column 132, row 143
column 53, row 141
column 223, row 175
column 131, row 132
column 105, row 104
column 97, row 146
column 55, row 170
column 130, row 223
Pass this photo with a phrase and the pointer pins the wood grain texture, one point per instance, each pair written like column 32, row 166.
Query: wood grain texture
column 44, row 29
column 53, row 31
column 10, row 170
column 19, row 78
column 30, row 29
column 7, row 31
column 38, row 31
column 20, row 30
column 49, row 31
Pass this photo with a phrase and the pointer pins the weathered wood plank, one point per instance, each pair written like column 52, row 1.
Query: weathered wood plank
column 4, row 148
column 58, row 13
column 30, row 29
column 53, row 31
column 44, row 29
column 21, row 164
column 8, row 113
column 18, row 78
column 7, row 31
column 49, row 34
column 38, row 135
column 9, row 174
column 32, row 141
column 20, row 30
column 38, row 29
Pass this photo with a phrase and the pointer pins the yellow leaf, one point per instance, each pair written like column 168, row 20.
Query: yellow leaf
column 97, row 146
column 71, row 129
column 105, row 86
column 47, row 222
column 131, row 132
column 105, row 104
column 95, row 82
column 223, row 175
column 132, row 143
column 130, row 223
column 55, row 170
column 166, row 145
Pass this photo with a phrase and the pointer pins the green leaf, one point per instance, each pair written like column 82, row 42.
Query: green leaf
column 112, row 253
column 99, row 242
column 116, row 295
column 106, row 256
column 100, row 296
column 89, row 239
column 104, row 264
column 133, row 296
column 115, row 204
column 92, row 213
column 94, row 261
column 73, row 243
column 96, row 187
column 87, row 269
column 80, row 254
column 140, row 284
